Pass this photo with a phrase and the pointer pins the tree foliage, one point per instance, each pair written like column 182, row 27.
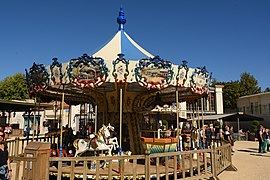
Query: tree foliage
column 231, row 92
column 247, row 85
column 14, row 87
column 254, row 125
column 267, row 89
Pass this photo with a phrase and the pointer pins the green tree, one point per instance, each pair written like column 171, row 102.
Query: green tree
column 267, row 89
column 231, row 92
column 249, row 84
column 254, row 125
column 14, row 87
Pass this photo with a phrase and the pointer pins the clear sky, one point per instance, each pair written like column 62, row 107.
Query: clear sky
column 229, row 37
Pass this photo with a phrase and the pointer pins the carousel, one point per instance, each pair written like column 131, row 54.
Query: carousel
column 124, row 82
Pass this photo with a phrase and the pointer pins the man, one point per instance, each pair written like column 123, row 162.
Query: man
column 146, row 126
column 260, row 139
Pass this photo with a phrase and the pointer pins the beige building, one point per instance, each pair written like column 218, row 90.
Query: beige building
column 257, row 105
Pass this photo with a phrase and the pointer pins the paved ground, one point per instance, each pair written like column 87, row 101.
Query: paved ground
column 250, row 164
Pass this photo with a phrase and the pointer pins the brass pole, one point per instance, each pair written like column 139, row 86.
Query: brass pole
column 177, row 118
column 61, row 124
column 121, row 111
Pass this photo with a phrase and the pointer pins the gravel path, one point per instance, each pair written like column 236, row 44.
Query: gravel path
column 250, row 164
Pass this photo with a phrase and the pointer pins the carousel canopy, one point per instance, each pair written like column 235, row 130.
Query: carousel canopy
column 121, row 62
column 122, row 43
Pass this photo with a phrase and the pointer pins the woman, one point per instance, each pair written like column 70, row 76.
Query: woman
column 5, row 168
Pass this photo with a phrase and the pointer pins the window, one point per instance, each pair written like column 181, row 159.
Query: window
column 251, row 108
column 256, row 108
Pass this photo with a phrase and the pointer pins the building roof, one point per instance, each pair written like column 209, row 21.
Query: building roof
column 232, row 117
column 6, row 105
column 254, row 95
column 122, row 43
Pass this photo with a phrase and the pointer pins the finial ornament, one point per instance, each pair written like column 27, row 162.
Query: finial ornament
column 121, row 20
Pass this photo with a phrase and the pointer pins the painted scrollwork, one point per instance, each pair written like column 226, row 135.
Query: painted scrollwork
column 87, row 72
column 154, row 73
column 56, row 72
column 37, row 79
column 120, row 69
column 199, row 80
column 181, row 76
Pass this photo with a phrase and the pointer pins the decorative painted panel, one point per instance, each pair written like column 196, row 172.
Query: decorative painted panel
column 154, row 73
column 120, row 69
column 37, row 79
column 56, row 72
column 87, row 72
column 181, row 76
column 199, row 81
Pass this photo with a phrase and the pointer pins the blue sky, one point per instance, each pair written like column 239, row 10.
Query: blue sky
column 229, row 37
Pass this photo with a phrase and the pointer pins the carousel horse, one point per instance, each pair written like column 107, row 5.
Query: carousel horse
column 112, row 140
column 97, row 143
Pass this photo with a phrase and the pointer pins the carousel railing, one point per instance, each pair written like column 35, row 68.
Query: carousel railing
column 17, row 145
column 195, row 164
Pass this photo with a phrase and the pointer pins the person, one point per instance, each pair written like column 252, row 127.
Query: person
column 146, row 126
column 268, row 139
column 208, row 134
column 8, row 129
column 264, row 137
column 227, row 135
column 232, row 137
column 259, row 136
column 5, row 168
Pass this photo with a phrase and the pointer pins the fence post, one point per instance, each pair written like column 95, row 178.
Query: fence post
column 17, row 143
column 213, row 159
column 147, row 165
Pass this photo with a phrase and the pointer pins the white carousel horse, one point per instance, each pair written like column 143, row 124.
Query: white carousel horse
column 112, row 140
column 98, row 145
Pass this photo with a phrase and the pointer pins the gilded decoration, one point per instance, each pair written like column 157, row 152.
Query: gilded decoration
column 199, row 80
column 87, row 72
column 181, row 76
column 120, row 69
column 56, row 72
column 154, row 73
column 37, row 79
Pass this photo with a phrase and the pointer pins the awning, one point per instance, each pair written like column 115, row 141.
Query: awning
column 232, row 117
column 52, row 117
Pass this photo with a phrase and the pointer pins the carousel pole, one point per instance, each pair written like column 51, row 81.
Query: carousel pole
column 177, row 118
column 198, row 121
column 202, row 103
column 35, row 128
column 177, row 129
column 61, row 124
column 120, row 126
column 96, row 116
column 121, row 111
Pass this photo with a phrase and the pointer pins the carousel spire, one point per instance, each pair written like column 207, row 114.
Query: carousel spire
column 121, row 20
